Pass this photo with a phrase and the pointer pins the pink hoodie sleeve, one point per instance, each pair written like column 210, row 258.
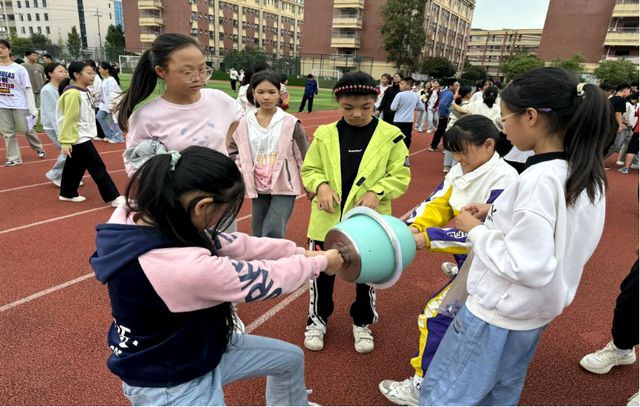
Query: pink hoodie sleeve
column 244, row 247
column 190, row 278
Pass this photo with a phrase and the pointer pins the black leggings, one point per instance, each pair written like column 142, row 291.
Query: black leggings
column 85, row 157
column 624, row 328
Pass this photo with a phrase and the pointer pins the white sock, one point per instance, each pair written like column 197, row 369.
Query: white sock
column 417, row 382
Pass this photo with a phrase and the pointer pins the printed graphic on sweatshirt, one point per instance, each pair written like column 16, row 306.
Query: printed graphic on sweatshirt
column 259, row 281
column 125, row 341
column 6, row 83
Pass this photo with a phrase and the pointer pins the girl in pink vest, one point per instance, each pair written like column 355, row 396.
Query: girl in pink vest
column 271, row 147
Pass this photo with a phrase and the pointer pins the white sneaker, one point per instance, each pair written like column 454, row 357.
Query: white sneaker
column 605, row 359
column 118, row 201
column 363, row 339
column 402, row 393
column 238, row 325
column 449, row 269
column 314, row 337
column 633, row 400
column 54, row 181
column 78, row 198
column 619, row 162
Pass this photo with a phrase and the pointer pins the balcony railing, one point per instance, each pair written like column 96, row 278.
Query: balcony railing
column 149, row 4
column 626, row 8
column 346, row 22
column 634, row 59
column 345, row 41
column 150, row 21
column 348, row 3
column 627, row 38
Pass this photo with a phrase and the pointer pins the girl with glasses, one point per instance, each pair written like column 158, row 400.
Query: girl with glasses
column 186, row 114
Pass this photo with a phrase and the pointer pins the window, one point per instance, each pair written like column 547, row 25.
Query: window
column 37, row 16
column 46, row 16
column 39, row 30
column 21, row 17
column 30, row 30
column 44, row 3
column 23, row 31
column 48, row 30
column 35, row 3
column 28, row 17
column 26, row 4
column 20, row 6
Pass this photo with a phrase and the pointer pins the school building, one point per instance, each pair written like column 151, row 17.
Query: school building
column 342, row 35
column 489, row 48
column 219, row 26
column 599, row 30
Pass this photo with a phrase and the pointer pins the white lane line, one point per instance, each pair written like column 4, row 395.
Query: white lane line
column 48, row 183
column 54, row 159
column 42, row 293
column 42, row 222
column 250, row 328
column 273, row 311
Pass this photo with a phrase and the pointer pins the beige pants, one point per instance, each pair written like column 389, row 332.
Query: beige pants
column 14, row 121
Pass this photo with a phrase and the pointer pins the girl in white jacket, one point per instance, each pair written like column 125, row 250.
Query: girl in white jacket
column 536, row 238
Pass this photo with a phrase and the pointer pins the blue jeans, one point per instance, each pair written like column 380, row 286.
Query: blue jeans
column 110, row 128
column 479, row 364
column 55, row 173
column 448, row 159
column 247, row 356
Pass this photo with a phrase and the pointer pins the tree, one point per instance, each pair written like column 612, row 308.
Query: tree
column 473, row 73
column 115, row 42
column 39, row 41
column 519, row 64
column 617, row 72
column 19, row 44
column 574, row 64
column 245, row 59
column 403, row 33
column 74, row 43
column 438, row 67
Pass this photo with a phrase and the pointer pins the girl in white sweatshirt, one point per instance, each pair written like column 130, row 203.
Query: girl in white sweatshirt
column 536, row 238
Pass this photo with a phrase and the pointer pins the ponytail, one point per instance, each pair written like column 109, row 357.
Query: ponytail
column 587, row 132
column 489, row 96
column 580, row 113
column 65, row 82
column 143, row 83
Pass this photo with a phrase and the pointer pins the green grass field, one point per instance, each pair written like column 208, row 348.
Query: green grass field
column 323, row 101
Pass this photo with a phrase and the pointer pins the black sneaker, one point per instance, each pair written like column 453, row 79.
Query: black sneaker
column 11, row 163
column 41, row 154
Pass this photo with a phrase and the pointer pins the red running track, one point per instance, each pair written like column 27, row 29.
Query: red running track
column 54, row 315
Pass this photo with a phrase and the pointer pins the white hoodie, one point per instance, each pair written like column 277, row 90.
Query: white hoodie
column 532, row 248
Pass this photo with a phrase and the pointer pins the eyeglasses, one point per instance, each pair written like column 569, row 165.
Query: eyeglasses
column 193, row 76
column 500, row 123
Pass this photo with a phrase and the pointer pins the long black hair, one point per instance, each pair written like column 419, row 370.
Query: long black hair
column 145, row 78
column 462, row 92
column 156, row 189
column 471, row 129
column 585, row 121
column 74, row 68
column 356, row 83
column 113, row 72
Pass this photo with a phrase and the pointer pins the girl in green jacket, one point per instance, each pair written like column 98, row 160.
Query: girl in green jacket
column 358, row 160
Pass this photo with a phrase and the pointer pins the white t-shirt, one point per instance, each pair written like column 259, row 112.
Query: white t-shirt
column 14, row 81
column 264, row 148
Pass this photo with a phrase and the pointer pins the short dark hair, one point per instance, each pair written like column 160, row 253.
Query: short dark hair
column 309, row 76
column 633, row 96
column 6, row 43
column 622, row 86
column 47, row 56
column 29, row 52
column 408, row 80
column 356, row 83
column 451, row 81
column 472, row 129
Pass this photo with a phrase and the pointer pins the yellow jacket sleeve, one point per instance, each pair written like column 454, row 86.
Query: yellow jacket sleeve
column 70, row 102
column 312, row 171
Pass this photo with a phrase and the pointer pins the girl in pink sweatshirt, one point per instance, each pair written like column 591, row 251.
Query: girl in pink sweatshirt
column 172, row 276
column 271, row 148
